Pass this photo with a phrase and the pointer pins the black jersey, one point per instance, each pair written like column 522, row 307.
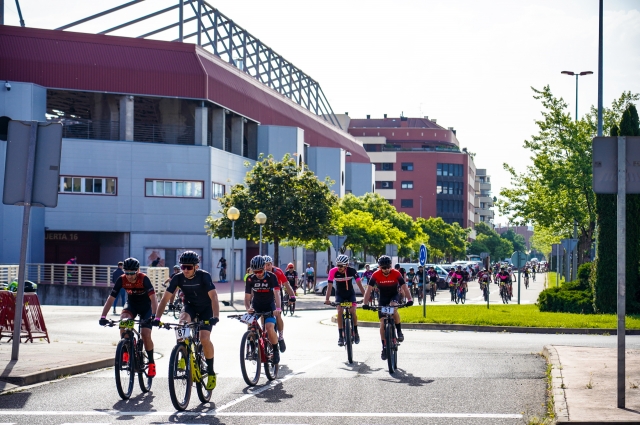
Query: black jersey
column 292, row 276
column 138, row 292
column 262, row 288
column 343, row 281
column 195, row 290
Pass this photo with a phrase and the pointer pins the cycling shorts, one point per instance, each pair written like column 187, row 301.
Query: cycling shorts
column 199, row 313
column 139, row 309
column 345, row 297
column 266, row 308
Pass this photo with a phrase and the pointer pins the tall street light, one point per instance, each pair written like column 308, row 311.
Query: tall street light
column 575, row 223
column 233, row 214
column 261, row 218
column 577, row 74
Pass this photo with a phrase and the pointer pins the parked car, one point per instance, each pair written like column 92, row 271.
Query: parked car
column 321, row 288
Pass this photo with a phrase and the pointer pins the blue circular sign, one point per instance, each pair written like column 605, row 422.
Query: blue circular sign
column 423, row 255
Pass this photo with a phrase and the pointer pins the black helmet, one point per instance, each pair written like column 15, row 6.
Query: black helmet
column 397, row 266
column 384, row 261
column 189, row 257
column 459, row 267
column 131, row 264
column 257, row 263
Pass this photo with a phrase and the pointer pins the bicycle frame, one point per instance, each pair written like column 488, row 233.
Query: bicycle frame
column 134, row 336
column 190, row 342
column 255, row 326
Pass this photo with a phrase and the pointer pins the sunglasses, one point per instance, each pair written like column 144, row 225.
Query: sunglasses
column 131, row 273
column 385, row 268
column 260, row 271
column 341, row 266
column 186, row 267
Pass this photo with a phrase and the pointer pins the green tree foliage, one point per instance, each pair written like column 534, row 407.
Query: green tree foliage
column 604, row 279
column 297, row 204
column 366, row 234
column 542, row 239
column 488, row 240
column 446, row 241
column 516, row 240
column 556, row 189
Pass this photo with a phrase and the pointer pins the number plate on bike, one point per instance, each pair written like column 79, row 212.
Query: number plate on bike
column 183, row 333
column 126, row 324
column 346, row 304
column 247, row 318
column 386, row 310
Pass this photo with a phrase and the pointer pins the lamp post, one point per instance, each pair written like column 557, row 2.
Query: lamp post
column 261, row 218
column 574, row 272
column 233, row 214
column 577, row 74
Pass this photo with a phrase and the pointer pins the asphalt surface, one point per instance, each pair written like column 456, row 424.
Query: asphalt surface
column 444, row 378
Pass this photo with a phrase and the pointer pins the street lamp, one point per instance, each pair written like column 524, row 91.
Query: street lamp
column 575, row 223
column 233, row 214
column 261, row 218
column 577, row 74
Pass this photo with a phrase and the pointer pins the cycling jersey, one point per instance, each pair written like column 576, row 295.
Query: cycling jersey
column 410, row 277
column 292, row 277
column 282, row 279
column 456, row 277
column 504, row 277
column 388, row 285
column 343, row 281
column 433, row 275
column 263, row 291
column 195, row 290
column 138, row 292
column 367, row 275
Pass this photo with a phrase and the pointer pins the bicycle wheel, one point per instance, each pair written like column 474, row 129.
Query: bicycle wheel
column 250, row 358
column 124, row 369
column 270, row 369
column 388, row 339
column 144, row 380
column 292, row 308
column 456, row 296
column 203, row 393
column 463, row 296
column 180, row 379
column 348, row 341
column 285, row 304
column 177, row 308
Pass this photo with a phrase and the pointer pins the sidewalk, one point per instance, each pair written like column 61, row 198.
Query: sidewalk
column 584, row 383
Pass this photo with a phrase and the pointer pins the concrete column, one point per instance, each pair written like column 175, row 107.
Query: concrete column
column 252, row 138
column 201, row 126
column 112, row 101
column 126, row 118
column 237, row 135
column 217, row 128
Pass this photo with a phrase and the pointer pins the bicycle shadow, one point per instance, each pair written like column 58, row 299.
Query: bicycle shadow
column 275, row 394
column 142, row 402
column 361, row 368
column 401, row 376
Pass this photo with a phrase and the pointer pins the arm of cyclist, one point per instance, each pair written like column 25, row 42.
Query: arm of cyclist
column 112, row 297
column 248, row 295
column 332, row 274
column 359, row 283
column 276, row 295
column 215, row 307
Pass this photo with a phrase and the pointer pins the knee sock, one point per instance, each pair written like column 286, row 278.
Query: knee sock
column 340, row 333
column 210, row 366
column 355, row 328
column 150, row 354
column 399, row 327
column 383, row 344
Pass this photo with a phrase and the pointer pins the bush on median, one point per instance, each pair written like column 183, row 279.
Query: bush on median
column 571, row 297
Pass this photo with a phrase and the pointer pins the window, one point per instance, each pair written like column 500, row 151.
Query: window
column 387, row 166
column 174, row 189
column 390, row 201
column 406, row 203
column 449, row 170
column 88, row 185
column 483, row 205
column 406, row 185
column 384, row 185
column 407, row 166
column 217, row 190
column 449, row 188
column 481, row 179
column 448, row 206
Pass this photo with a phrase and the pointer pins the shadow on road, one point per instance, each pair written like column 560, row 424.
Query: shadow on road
column 401, row 376
column 276, row 394
column 360, row 367
column 14, row 400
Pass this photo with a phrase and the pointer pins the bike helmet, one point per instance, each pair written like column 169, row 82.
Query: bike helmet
column 385, row 260
column 459, row 267
column 342, row 260
column 268, row 259
column 189, row 257
column 176, row 267
column 131, row 264
column 290, row 265
column 257, row 263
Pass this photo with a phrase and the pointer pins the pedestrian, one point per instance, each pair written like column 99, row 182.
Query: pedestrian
column 155, row 262
column 311, row 275
column 122, row 293
column 71, row 269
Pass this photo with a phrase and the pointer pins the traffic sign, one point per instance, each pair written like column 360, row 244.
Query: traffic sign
column 391, row 250
column 518, row 259
column 423, row 255
column 337, row 241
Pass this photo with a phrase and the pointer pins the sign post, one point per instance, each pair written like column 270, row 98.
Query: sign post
column 32, row 178
column 486, row 260
column 423, row 261
column 337, row 241
column 615, row 171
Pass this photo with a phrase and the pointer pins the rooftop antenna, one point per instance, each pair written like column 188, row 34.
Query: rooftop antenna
column 20, row 13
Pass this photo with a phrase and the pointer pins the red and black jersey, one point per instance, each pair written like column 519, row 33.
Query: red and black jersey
column 388, row 285
column 138, row 291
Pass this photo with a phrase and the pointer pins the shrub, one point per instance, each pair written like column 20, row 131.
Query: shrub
column 565, row 300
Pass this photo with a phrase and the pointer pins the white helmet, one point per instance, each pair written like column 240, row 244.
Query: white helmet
column 342, row 260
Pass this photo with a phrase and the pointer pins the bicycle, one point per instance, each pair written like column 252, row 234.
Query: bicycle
column 187, row 364
column 127, row 365
column 526, row 282
column 222, row 276
column 504, row 293
column 390, row 336
column 433, row 291
column 287, row 306
column 461, row 294
column 255, row 349
column 347, row 327
column 484, row 286
column 453, row 288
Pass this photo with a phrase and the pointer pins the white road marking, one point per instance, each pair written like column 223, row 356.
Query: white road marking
column 270, row 385
column 260, row 414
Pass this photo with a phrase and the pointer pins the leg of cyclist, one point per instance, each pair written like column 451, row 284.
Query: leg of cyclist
column 145, row 333
column 354, row 318
column 383, row 355
column 340, row 324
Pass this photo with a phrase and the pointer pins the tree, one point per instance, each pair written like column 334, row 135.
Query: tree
column 297, row 204
column 365, row 233
column 445, row 240
column 542, row 239
column 488, row 240
column 516, row 239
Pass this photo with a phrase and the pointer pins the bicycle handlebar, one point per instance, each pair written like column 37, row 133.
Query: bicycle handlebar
column 113, row 323
column 338, row 304
column 178, row 325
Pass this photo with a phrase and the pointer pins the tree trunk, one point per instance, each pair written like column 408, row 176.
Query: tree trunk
column 276, row 251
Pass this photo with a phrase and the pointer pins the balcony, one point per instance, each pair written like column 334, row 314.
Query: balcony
column 385, row 176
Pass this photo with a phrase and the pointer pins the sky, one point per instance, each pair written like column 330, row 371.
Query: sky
column 469, row 64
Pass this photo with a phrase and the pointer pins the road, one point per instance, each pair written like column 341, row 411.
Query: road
column 444, row 378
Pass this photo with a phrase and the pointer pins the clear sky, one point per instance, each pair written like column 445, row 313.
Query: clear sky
column 469, row 64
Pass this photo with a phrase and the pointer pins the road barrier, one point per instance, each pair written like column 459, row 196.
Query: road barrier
column 32, row 326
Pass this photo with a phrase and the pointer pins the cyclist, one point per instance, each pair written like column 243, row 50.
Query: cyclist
column 512, row 279
column 503, row 278
column 262, row 295
column 419, row 281
column 454, row 281
column 310, row 273
column 141, row 301
column 402, row 271
column 282, row 281
column 200, row 303
column 526, row 272
column 222, row 265
column 433, row 279
column 343, row 276
column 292, row 277
column 466, row 277
column 534, row 271
column 388, row 282
column 367, row 273
column 410, row 277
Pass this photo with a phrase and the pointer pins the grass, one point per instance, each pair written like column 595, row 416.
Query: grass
column 526, row 315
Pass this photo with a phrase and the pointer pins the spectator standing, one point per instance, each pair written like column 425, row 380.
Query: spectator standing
column 71, row 269
column 311, row 276
column 122, row 293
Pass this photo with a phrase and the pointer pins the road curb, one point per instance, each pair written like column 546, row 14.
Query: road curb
column 52, row 374
column 509, row 329
column 560, row 407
